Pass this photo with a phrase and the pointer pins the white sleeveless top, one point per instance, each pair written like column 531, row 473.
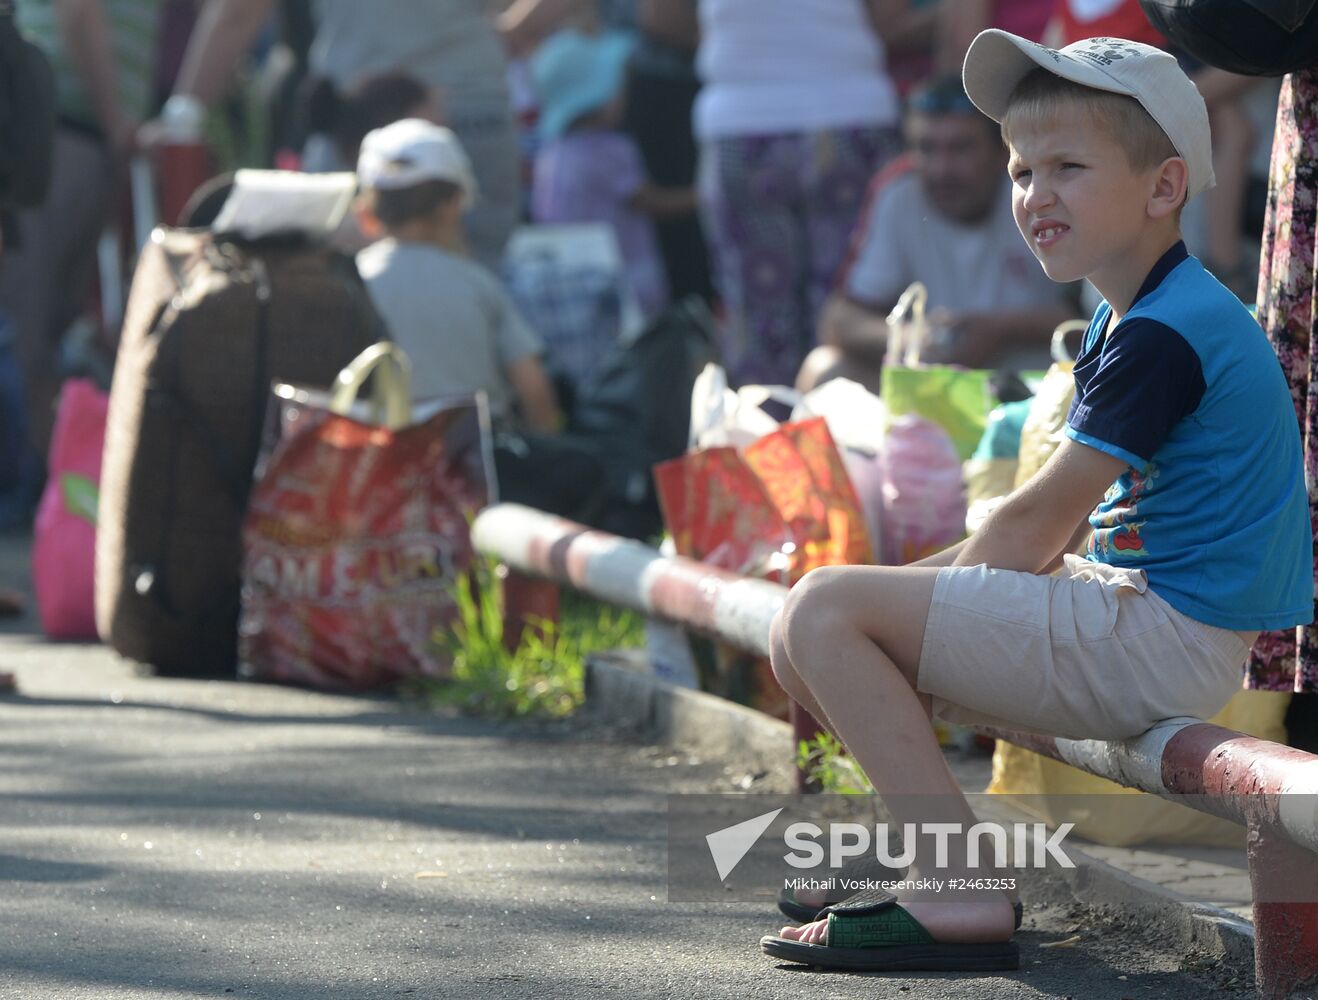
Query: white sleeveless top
column 774, row 66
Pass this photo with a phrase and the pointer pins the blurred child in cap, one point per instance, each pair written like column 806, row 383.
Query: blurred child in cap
column 452, row 317
column 587, row 169
column 446, row 311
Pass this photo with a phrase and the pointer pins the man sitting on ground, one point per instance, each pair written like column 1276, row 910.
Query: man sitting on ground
column 942, row 216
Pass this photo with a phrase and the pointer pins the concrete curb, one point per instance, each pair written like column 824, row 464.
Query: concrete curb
column 1198, row 927
column 620, row 688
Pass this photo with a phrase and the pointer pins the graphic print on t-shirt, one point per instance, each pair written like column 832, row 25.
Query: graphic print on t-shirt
column 1114, row 520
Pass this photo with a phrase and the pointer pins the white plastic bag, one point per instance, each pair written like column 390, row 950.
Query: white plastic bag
column 723, row 417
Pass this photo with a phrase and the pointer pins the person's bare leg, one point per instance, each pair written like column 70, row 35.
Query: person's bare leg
column 853, row 636
column 791, row 682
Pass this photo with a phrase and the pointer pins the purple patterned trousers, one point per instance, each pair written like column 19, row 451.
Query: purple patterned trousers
column 778, row 211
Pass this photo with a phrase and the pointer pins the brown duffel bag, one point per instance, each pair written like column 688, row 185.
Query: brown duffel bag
column 209, row 325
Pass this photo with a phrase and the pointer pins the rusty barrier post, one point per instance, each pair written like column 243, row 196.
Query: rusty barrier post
column 1270, row 788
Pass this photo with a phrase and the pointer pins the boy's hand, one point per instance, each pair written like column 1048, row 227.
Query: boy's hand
column 1038, row 521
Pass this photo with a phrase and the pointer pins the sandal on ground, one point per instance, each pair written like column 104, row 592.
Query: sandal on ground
column 859, row 870
column 870, row 932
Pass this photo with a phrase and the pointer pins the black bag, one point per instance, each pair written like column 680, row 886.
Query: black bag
column 1253, row 37
column 558, row 473
column 636, row 408
column 27, row 116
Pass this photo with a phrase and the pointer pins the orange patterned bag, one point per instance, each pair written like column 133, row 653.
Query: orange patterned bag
column 777, row 508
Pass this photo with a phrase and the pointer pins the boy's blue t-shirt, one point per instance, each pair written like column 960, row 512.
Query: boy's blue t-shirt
column 1187, row 390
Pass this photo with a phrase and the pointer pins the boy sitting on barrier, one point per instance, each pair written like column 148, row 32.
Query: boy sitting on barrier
column 1181, row 465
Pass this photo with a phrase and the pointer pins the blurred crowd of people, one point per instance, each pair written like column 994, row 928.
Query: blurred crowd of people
column 795, row 163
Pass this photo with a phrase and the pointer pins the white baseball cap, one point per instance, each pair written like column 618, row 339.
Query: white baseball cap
column 997, row 61
column 410, row 152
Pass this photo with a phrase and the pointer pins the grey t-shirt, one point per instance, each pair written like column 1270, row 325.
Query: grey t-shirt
column 981, row 268
column 450, row 44
column 452, row 319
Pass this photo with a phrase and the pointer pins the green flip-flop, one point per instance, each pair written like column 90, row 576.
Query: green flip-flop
column 870, row 932
column 863, row 869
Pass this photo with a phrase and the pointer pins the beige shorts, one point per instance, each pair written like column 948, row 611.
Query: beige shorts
column 1090, row 653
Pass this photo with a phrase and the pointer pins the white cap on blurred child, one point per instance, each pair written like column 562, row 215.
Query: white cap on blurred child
column 413, row 151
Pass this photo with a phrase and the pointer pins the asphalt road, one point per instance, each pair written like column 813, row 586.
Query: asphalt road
column 175, row 839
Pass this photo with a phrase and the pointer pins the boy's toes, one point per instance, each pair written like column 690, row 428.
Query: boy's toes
column 812, row 933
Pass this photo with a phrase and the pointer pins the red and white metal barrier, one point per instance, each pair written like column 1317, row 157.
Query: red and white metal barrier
column 733, row 608
column 1270, row 788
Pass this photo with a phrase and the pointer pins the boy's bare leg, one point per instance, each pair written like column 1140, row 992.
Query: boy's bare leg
column 849, row 645
column 792, row 683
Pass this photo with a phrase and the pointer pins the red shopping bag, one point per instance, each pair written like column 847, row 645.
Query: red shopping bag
column 777, row 508
column 356, row 531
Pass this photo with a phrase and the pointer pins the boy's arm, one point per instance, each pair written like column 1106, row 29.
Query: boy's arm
column 948, row 556
column 1082, row 533
column 1038, row 521
column 535, row 394
column 944, row 558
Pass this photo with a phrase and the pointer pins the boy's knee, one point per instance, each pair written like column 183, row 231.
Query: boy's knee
column 781, row 663
column 810, row 614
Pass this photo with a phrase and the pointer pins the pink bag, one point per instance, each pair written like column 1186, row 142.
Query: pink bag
column 64, row 541
column 924, row 501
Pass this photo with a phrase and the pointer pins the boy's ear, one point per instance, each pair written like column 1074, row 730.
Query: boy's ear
column 367, row 222
column 451, row 211
column 1169, row 188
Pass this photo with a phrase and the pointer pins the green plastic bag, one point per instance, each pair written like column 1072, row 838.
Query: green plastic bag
column 956, row 399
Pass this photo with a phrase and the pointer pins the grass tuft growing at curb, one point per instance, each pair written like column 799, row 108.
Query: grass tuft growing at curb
column 826, row 763
column 545, row 675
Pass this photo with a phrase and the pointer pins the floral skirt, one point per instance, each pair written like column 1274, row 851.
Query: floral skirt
column 1288, row 311
column 778, row 211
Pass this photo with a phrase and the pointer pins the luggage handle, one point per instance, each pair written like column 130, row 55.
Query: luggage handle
column 391, row 397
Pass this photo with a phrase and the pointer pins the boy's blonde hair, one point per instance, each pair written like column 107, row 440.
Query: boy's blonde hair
column 1043, row 97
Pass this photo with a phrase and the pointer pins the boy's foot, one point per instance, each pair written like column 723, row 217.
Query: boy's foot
column 872, row 931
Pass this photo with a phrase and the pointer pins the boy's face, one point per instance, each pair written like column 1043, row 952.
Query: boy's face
column 1078, row 202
